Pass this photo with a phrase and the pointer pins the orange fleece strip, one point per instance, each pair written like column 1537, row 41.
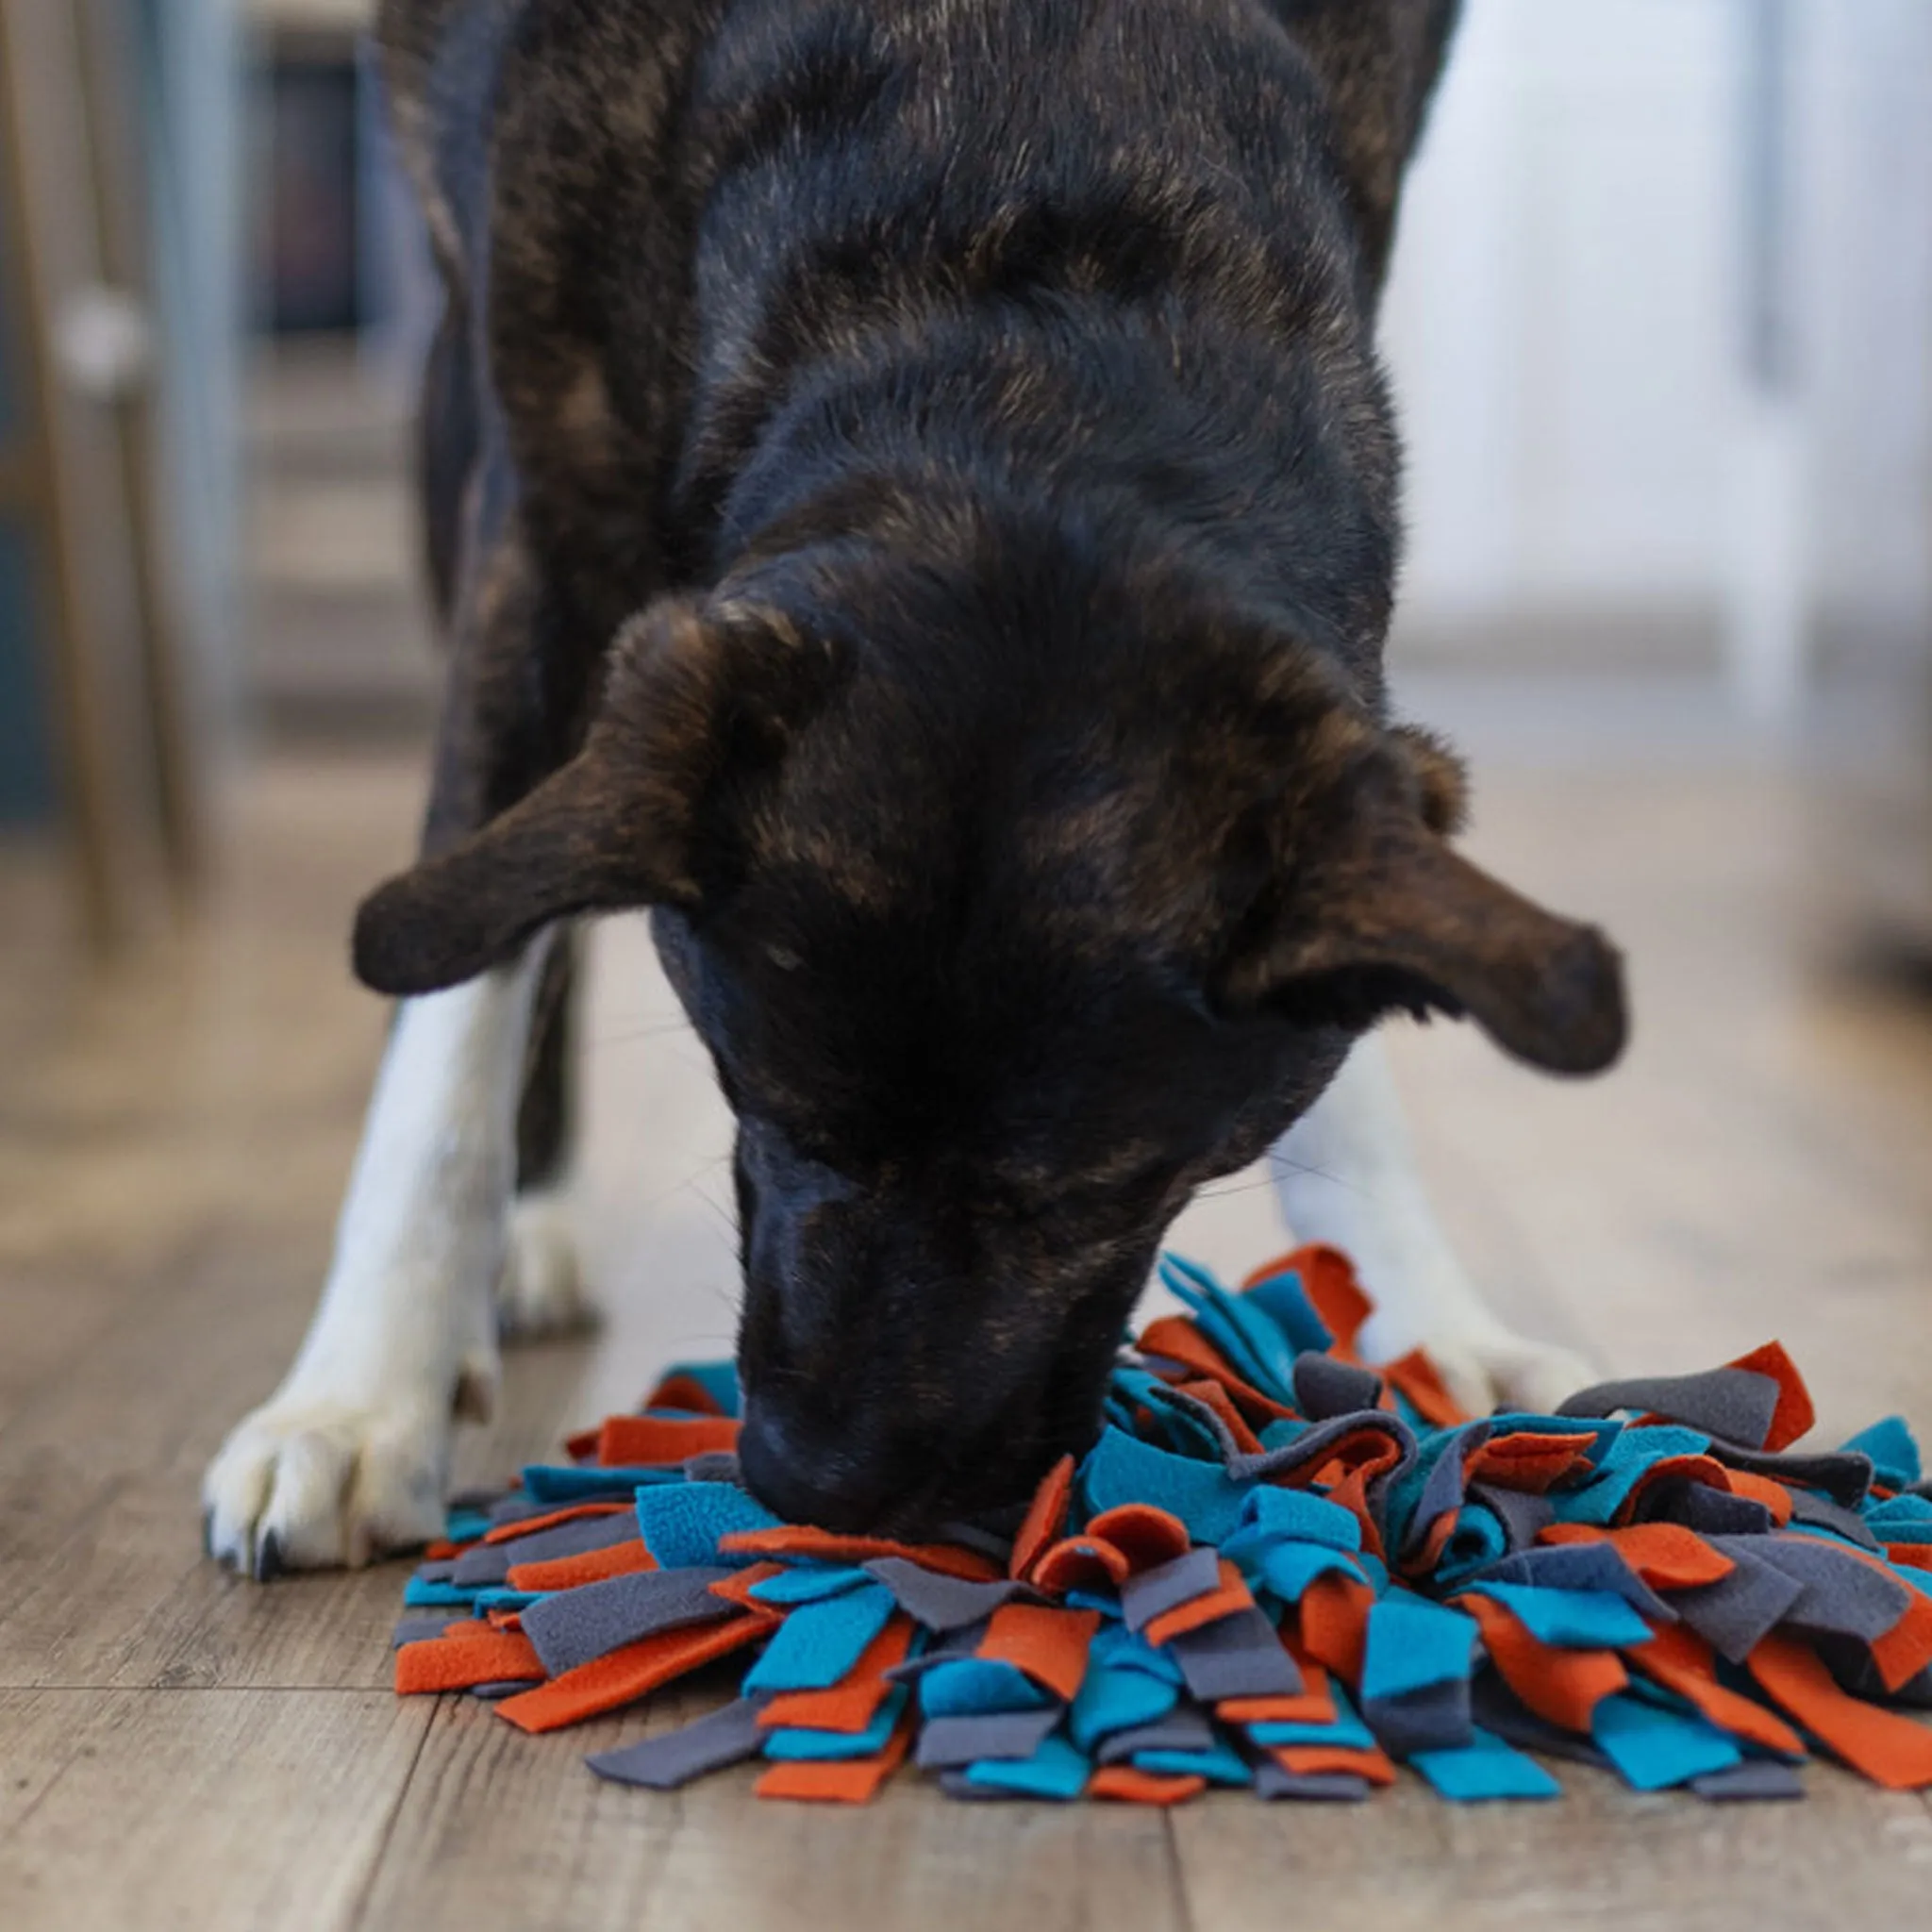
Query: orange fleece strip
column 1310, row 1759
column 1335, row 1624
column 1218, row 1399
column 457, row 1663
column 1081, row 1562
column 1356, row 1460
column 609, row 1683
column 852, row 1703
column 1146, row 1536
column 1416, row 1376
column 1306, row 1710
column 1177, row 1338
column 1665, row 1555
column 1564, row 1686
column 1890, row 1750
column 1050, row 1645
column 1913, row 1555
column 1794, row 1414
column 854, row 1781
column 1046, row 1516
column 1681, row 1662
column 1133, row 1786
column 684, row 1392
column 799, row 1539
column 590, row 1566
column 1526, row 1460
column 1424, row 1562
column 1330, row 1281
column 737, row 1587
column 510, row 1532
column 654, row 1441
column 1906, row 1649
column 1231, row 1596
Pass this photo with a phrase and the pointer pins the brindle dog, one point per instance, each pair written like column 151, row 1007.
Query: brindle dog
column 914, row 502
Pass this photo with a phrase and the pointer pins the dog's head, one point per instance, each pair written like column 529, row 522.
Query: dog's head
column 1000, row 953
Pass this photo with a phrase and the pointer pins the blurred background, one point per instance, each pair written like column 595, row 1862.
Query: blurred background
column 1662, row 327
column 1661, row 330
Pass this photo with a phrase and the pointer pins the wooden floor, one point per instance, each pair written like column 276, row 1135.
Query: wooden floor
column 181, row 1749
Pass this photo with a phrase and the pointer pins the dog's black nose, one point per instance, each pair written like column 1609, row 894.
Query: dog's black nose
column 808, row 1474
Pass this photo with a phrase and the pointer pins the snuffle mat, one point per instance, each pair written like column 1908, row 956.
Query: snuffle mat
column 1279, row 1569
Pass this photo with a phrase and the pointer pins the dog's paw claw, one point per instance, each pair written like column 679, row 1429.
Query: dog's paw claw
column 314, row 1485
column 540, row 1293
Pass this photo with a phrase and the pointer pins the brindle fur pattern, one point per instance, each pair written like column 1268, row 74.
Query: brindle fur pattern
column 917, row 505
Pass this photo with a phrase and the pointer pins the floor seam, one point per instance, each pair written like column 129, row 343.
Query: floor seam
column 1176, row 1871
column 359, row 1911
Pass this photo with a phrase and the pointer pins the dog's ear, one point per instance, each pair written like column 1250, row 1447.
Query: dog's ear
column 1374, row 910
column 697, row 695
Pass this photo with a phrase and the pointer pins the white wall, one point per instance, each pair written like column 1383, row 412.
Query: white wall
column 1566, row 320
column 1866, row 268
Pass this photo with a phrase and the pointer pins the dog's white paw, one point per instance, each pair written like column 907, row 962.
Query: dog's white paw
column 1497, row 1369
column 313, row 1484
column 541, row 1290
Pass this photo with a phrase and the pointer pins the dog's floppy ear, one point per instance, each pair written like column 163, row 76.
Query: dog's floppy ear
column 1376, row 912
column 696, row 693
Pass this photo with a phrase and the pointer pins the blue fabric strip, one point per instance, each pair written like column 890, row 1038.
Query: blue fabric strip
column 1055, row 1771
column 681, row 1523
column 1485, row 1769
column 1121, row 1469
column 977, row 1686
column 1115, row 1699
column 1413, row 1644
column 818, row 1643
column 1572, row 1618
column 1623, row 1465
column 1654, row 1748
column 1220, row 1766
column 561, row 1483
column 795, row 1744
column 418, row 1595
column 809, row 1583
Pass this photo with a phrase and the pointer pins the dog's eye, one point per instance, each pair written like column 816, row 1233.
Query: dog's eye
column 784, row 958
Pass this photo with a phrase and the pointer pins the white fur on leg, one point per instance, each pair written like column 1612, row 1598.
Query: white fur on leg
column 540, row 1291
column 350, row 1455
column 1346, row 1174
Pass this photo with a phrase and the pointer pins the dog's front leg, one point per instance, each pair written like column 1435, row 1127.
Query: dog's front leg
column 1346, row 1174
column 350, row 1455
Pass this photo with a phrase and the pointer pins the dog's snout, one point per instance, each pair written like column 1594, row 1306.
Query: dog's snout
column 809, row 1474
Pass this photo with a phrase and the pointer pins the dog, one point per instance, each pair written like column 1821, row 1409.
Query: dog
column 913, row 504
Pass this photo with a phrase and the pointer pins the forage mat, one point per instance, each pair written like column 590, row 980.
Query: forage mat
column 1279, row 1568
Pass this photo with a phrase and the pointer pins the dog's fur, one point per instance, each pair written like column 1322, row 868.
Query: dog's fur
column 914, row 502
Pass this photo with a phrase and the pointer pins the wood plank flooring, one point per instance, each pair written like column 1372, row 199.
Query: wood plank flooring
column 181, row 1749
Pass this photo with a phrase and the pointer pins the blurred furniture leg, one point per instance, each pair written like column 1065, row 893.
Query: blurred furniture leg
column 81, row 471
column 1767, row 605
column 110, row 52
